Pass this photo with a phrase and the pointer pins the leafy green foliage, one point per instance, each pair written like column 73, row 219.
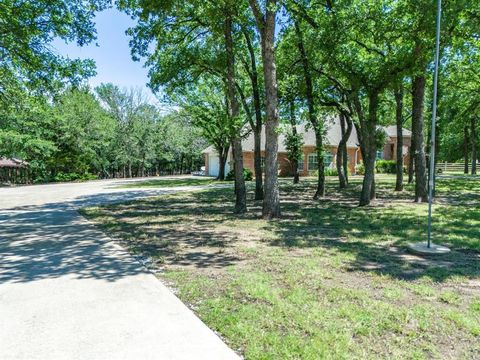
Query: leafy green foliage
column 74, row 137
column 27, row 30
column 294, row 145
column 385, row 166
column 247, row 175
column 360, row 169
column 65, row 177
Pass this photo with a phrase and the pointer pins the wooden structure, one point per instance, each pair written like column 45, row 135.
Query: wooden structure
column 13, row 171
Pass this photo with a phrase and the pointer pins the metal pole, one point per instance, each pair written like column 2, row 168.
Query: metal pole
column 434, row 118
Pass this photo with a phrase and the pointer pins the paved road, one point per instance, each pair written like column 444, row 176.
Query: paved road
column 68, row 292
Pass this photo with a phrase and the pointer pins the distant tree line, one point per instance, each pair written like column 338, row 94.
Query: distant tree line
column 110, row 133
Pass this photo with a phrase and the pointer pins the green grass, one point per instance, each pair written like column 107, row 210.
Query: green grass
column 327, row 280
column 173, row 182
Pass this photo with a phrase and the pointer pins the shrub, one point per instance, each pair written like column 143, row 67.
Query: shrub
column 64, row 177
column 385, row 166
column 331, row 171
column 247, row 175
column 360, row 169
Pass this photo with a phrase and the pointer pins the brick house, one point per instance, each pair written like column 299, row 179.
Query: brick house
column 308, row 165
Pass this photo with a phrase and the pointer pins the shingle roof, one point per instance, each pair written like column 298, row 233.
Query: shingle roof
column 332, row 137
column 392, row 131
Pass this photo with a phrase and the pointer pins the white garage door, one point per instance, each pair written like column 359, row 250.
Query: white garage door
column 214, row 165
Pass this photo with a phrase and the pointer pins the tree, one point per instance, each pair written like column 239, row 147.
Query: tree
column 313, row 117
column 346, row 126
column 193, row 40
column 234, row 112
column 205, row 105
column 398, row 92
column 27, row 29
column 83, row 133
column 257, row 125
column 265, row 21
column 294, row 144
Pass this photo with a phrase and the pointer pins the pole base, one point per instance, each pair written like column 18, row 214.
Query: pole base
column 434, row 249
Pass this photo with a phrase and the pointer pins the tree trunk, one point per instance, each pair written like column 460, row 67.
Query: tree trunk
column 342, row 154
column 294, row 162
column 411, row 161
column 266, row 26
column 240, row 189
column 399, row 122
column 257, row 162
column 320, row 192
column 296, row 176
column 465, row 149
column 369, row 148
column 257, row 129
column 473, row 134
column 222, row 157
column 312, row 117
column 418, row 96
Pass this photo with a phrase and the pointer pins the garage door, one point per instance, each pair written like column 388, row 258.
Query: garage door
column 213, row 165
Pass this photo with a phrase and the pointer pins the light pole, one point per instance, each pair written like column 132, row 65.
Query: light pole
column 429, row 247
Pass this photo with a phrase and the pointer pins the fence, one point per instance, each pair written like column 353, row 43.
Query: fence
column 446, row 167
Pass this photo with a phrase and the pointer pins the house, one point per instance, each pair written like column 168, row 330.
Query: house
column 308, row 165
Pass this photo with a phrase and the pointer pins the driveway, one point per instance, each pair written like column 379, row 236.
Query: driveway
column 67, row 291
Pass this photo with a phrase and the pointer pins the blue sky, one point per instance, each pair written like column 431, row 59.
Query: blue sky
column 112, row 55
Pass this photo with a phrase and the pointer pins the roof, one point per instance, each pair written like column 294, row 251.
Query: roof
column 392, row 131
column 12, row 163
column 333, row 135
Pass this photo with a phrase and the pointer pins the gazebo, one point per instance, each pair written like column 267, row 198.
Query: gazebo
column 13, row 171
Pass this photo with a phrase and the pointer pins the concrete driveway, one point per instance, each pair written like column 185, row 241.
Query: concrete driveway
column 67, row 291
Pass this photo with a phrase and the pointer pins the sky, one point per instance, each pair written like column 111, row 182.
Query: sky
column 111, row 53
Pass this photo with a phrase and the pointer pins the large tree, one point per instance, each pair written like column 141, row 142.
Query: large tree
column 27, row 29
column 266, row 20
column 192, row 40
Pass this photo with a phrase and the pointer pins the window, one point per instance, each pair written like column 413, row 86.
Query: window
column 301, row 162
column 312, row 162
column 379, row 154
column 328, row 160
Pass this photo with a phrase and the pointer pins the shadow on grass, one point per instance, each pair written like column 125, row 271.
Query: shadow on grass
column 174, row 182
column 377, row 236
column 193, row 229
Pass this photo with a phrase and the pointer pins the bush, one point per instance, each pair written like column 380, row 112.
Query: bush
column 385, row 166
column 331, row 171
column 360, row 169
column 65, row 177
column 247, row 175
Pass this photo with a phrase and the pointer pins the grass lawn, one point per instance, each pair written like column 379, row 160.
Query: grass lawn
column 174, row 182
column 327, row 280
